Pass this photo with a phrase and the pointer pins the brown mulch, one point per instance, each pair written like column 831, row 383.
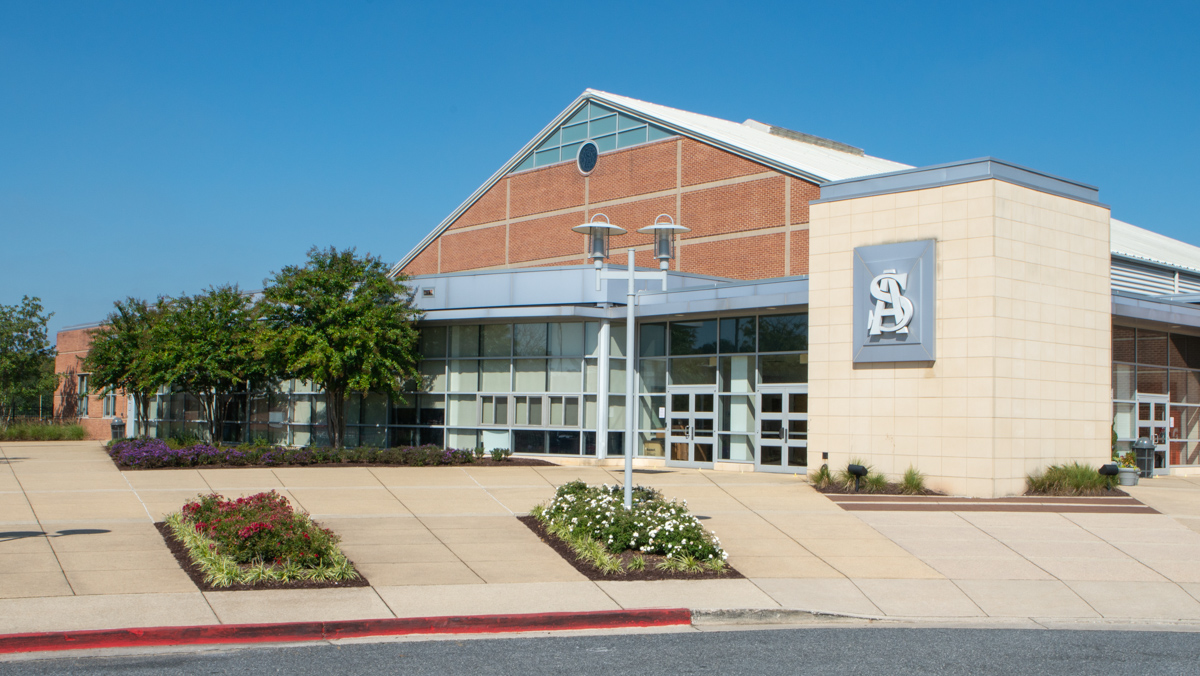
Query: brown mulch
column 650, row 572
column 892, row 489
column 486, row 462
column 197, row 574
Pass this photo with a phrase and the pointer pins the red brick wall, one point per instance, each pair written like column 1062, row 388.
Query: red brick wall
column 726, row 200
column 72, row 347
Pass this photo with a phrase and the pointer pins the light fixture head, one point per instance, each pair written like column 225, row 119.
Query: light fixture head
column 664, row 230
column 598, row 231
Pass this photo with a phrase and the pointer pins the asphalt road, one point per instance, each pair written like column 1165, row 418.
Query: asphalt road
column 762, row 653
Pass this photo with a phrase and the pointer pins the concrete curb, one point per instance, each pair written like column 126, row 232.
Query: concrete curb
column 755, row 616
column 288, row 632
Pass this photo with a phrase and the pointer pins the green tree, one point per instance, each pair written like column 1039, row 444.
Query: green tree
column 343, row 323
column 205, row 345
column 24, row 349
column 124, row 357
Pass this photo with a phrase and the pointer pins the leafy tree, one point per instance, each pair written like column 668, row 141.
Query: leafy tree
column 24, row 349
column 205, row 345
column 343, row 323
column 123, row 355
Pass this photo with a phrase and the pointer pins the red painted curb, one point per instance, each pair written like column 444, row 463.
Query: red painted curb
column 319, row 631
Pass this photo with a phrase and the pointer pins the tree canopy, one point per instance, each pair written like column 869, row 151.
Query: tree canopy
column 24, row 351
column 124, row 356
column 343, row 323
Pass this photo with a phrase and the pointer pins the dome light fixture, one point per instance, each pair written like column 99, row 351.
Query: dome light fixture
column 598, row 230
column 664, row 230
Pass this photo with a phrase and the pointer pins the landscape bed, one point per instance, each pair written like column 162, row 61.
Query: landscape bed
column 255, row 542
column 657, row 540
column 135, row 454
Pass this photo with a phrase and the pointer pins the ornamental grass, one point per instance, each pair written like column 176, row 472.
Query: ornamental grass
column 593, row 521
column 1069, row 479
column 257, row 538
column 39, row 431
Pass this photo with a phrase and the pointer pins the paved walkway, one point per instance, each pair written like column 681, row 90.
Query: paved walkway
column 78, row 549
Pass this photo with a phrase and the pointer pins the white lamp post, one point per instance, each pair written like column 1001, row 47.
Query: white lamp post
column 598, row 230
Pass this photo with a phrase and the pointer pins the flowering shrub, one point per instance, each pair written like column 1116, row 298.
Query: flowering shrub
column 258, row 537
column 156, row 453
column 259, row 527
column 653, row 526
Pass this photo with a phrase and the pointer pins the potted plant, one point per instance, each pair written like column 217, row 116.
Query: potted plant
column 1127, row 473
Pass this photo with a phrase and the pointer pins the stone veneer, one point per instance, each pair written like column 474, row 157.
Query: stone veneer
column 1023, row 368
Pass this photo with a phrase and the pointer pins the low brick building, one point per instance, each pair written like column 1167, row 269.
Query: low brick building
column 76, row 397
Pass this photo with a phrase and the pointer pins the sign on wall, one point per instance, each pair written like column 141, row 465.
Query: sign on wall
column 894, row 302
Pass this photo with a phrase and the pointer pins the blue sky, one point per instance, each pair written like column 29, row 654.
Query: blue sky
column 156, row 148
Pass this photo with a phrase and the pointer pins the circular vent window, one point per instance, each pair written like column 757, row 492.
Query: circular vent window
column 586, row 159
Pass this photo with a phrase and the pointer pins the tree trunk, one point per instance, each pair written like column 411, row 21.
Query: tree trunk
column 335, row 414
column 208, row 401
column 141, row 402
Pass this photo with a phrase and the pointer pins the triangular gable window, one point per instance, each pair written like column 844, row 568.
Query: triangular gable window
column 608, row 128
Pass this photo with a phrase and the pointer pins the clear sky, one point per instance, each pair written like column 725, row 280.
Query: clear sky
column 153, row 148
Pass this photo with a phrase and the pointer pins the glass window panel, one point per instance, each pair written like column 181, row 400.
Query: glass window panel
column 529, row 340
column 631, row 138
column 529, row 441
column 497, row 340
column 597, row 110
column 404, row 410
column 783, row 333
column 318, row 414
column 616, row 376
column 535, row 411
column 698, row 337
column 301, row 435
column 589, row 412
column 501, row 410
column 495, row 439
column 1151, row 347
column 488, row 407
column 563, row 443
column 432, row 436
column 526, row 163
column 372, row 437
column 462, row 439
column 566, row 340
column 353, row 404
column 783, row 368
column 737, row 374
column 591, row 375
column 1188, row 421
column 606, row 143
column 302, row 409
column 602, row 126
column 1124, row 344
column 432, row 410
column 616, row 413
column 570, row 152
column 1184, row 351
column 462, row 410
column 654, row 375
column 574, row 132
column 571, row 411
column 652, row 444
column 375, row 409
column 694, row 371
column 521, row 409
column 566, row 375
column 591, row 339
column 1151, row 380
column 653, row 341
column 1123, row 381
column 530, row 375
column 628, row 122
column 545, row 157
column 464, row 375
column 433, row 376
column 656, row 133
column 556, row 410
column 737, row 334
column 737, row 413
column 552, row 141
column 580, row 115
column 464, row 341
column 616, row 345
column 737, row 448
column 652, row 414
column 495, row 376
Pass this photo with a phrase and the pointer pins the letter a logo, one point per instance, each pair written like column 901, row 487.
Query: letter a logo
column 888, row 291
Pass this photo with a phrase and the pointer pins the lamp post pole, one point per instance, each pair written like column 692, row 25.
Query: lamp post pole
column 630, row 396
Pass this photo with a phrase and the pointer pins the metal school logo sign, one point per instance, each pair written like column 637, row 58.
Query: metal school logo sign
column 894, row 302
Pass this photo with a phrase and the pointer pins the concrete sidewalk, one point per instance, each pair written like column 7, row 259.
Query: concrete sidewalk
column 78, row 549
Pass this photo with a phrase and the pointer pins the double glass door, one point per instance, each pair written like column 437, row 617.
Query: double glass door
column 692, row 423
column 1153, row 423
column 783, row 429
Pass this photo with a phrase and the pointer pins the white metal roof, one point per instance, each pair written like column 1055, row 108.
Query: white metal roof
column 1134, row 242
column 752, row 140
column 818, row 162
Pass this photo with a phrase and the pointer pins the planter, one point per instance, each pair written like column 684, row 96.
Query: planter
column 1127, row 476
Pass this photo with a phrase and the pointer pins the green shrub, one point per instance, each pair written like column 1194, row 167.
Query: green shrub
column 822, row 478
column 38, row 431
column 500, row 454
column 914, row 482
column 478, row 453
column 1070, row 479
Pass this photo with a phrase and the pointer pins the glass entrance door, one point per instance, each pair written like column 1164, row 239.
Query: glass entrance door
column 783, row 429
column 1153, row 423
column 692, row 422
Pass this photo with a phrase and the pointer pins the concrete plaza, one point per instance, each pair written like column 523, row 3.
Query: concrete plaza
column 78, row 549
